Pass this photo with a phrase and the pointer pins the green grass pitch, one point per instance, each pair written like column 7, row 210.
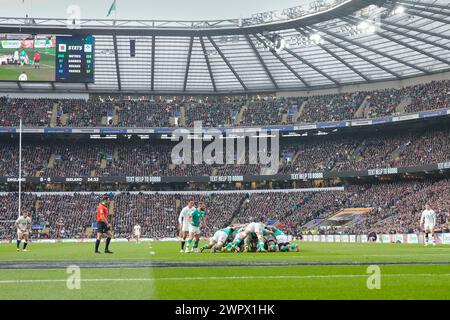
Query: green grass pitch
column 411, row 280
column 45, row 73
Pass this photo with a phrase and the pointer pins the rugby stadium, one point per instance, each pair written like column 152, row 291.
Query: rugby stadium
column 225, row 150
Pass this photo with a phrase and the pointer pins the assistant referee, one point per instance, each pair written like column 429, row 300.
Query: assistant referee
column 103, row 226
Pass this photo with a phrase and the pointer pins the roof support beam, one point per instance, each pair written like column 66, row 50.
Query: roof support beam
column 276, row 55
column 404, row 44
column 360, row 56
column 292, row 53
column 205, row 54
column 426, row 16
column 261, row 61
column 374, row 51
column 116, row 54
column 228, row 63
column 430, row 33
column 434, row 5
column 331, row 53
column 188, row 63
column 152, row 81
column 426, row 9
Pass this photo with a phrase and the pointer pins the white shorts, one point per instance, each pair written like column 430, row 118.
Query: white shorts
column 282, row 239
column 185, row 227
column 428, row 227
column 22, row 233
column 137, row 234
column 254, row 227
column 194, row 229
column 220, row 236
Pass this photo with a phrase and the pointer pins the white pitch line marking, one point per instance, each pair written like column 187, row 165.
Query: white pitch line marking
column 225, row 278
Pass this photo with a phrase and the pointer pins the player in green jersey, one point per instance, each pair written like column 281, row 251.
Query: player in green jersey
column 196, row 220
column 282, row 241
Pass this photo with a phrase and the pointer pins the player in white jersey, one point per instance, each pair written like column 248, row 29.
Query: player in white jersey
column 23, row 76
column 428, row 222
column 23, row 225
column 137, row 233
column 254, row 227
column 184, row 222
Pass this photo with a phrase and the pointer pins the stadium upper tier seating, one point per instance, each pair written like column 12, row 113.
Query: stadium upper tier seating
column 147, row 158
column 216, row 112
column 397, row 208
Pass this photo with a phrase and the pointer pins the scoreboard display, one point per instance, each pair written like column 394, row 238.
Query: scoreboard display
column 74, row 59
column 47, row 58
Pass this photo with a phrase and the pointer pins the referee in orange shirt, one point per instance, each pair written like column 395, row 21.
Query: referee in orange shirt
column 103, row 226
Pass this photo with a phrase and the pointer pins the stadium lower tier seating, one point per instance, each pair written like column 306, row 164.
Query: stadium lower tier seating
column 397, row 208
column 216, row 112
column 147, row 158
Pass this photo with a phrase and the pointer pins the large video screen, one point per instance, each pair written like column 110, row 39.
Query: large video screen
column 46, row 58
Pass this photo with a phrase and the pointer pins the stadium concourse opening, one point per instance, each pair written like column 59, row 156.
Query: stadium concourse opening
column 108, row 184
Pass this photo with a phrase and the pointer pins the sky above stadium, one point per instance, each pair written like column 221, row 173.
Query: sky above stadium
column 147, row 9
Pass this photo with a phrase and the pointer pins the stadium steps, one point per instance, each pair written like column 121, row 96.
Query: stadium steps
column 53, row 119
column 115, row 118
column 104, row 121
column 64, row 119
column 396, row 154
column 299, row 112
column 103, row 164
column 240, row 115
column 401, row 108
column 284, row 118
column 51, row 161
column 357, row 153
column 360, row 113
column 239, row 209
column 214, row 171
column 182, row 120
column 296, row 156
column 93, row 173
column 111, row 207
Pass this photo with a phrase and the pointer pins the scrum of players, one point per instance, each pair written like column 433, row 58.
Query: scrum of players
column 248, row 237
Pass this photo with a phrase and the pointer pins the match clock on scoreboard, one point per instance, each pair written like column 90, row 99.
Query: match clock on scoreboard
column 74, row 59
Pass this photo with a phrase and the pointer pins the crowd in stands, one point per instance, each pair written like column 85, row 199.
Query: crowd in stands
column 266, row 111
column 36, row 112
column 332, row 107
column 81, row 113
column 68, row 158
column 429, row 96
column 383, row 102
column 396, row 208
column 145, row 113
column 212, row 114
column 216, row 112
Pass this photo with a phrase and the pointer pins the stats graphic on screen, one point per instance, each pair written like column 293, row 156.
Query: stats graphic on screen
column 47, row 58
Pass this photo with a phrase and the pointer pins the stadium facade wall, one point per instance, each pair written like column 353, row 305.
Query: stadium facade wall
column 396, row 84
column 371, row 172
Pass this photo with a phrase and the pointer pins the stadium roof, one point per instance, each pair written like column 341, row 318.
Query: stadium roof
column 328, row 45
